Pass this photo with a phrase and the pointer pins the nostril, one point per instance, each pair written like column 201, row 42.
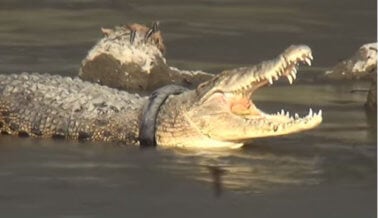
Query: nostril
column 275, row 128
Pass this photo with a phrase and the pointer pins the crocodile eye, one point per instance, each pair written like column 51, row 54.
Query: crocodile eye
column 202, row 85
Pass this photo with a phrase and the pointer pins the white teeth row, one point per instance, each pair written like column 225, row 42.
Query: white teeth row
column 277, row 75
column 293, row 74
column 308, row 59
column 310, row 114
column 283, row 113
column 290, row 77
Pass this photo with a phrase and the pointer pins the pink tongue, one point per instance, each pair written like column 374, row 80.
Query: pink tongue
column 243, row 106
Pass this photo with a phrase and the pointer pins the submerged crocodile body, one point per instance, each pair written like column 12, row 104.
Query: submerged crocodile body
column 362, row 65
column 358, row 66
column 217, row 113
column 131, row 58
column 371, row 99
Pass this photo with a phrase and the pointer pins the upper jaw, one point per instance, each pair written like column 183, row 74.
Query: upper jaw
column 247, row 79
column 285, row 65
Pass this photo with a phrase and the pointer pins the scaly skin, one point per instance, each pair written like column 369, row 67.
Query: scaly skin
column 131, row 58
column 218, row 113
column 54, row 106
column 359, row 66
column 362, row 65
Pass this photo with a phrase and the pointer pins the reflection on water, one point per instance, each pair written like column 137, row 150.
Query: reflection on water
column 250, row 171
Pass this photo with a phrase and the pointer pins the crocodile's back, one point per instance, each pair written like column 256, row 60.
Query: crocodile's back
column 55, row 106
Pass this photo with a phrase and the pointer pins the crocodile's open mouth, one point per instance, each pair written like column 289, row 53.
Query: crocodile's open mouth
column 241, row 103
column 232, row 94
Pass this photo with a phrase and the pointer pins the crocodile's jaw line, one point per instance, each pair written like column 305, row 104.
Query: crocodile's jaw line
column 224, row 115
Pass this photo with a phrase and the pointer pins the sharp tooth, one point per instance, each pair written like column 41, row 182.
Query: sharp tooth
column 308, row 61
column 290, row 79
column 270, row 80
column 294, row 75
column 310, row 113
column 287, row 114
column 275, row 77
column 284, row 64
column 320, row 113
column 294, row 70
column 310, row 56
column 296, row 116
column 282, row 112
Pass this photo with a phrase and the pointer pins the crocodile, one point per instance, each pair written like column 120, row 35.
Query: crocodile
column 358, row 66
column 362, row 65
column 371, row 98
column 131, row 58
column 218, row 113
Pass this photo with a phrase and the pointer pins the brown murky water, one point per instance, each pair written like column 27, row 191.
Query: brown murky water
column 327, row 172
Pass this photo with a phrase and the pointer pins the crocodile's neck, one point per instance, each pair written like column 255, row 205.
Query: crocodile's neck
column 172, row 126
